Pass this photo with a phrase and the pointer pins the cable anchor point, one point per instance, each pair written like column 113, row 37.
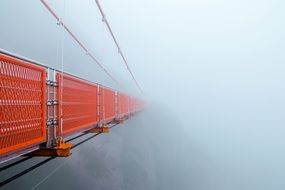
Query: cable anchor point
column 59, row 22
column 104, row 19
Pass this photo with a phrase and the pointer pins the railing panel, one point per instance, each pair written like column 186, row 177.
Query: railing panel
column 77, row 103
column 109, row 104
column 123, row 105
column 131, row 105
column 23, row 104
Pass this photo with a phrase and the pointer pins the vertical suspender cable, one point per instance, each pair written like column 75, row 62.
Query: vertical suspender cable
column 117, row 44
column 62, row 61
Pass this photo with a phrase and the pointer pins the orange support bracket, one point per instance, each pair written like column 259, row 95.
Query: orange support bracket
column 119, row 121
column 61, row 150
column 103, row 129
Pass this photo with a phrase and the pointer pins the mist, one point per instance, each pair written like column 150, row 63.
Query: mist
column 212, row 73
column 215, row 73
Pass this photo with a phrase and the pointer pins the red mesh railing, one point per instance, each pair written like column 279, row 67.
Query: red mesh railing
column 123, row 104
column 78, row 99
column 131, row 104
column 109, row 104
column 81, row 104
column 23, row 104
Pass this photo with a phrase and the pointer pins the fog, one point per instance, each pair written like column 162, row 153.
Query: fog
column 217, row 70
column 212, row 73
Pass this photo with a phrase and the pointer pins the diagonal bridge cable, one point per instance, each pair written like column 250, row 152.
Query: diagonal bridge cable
column 60, row 22
column 117, row 44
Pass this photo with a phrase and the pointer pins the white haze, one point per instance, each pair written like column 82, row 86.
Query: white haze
column 218, row 69
column 212, row 71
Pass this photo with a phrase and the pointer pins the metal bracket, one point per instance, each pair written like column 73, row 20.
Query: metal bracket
column 52, row 102
column 52, row 122
column 48, row 82
column 51, row 83
column 54, row 84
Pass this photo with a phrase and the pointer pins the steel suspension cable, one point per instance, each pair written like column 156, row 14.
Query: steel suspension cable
column 104, row 19
column 60, row 22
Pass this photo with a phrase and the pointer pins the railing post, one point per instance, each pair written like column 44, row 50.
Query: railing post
column 52, row 105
